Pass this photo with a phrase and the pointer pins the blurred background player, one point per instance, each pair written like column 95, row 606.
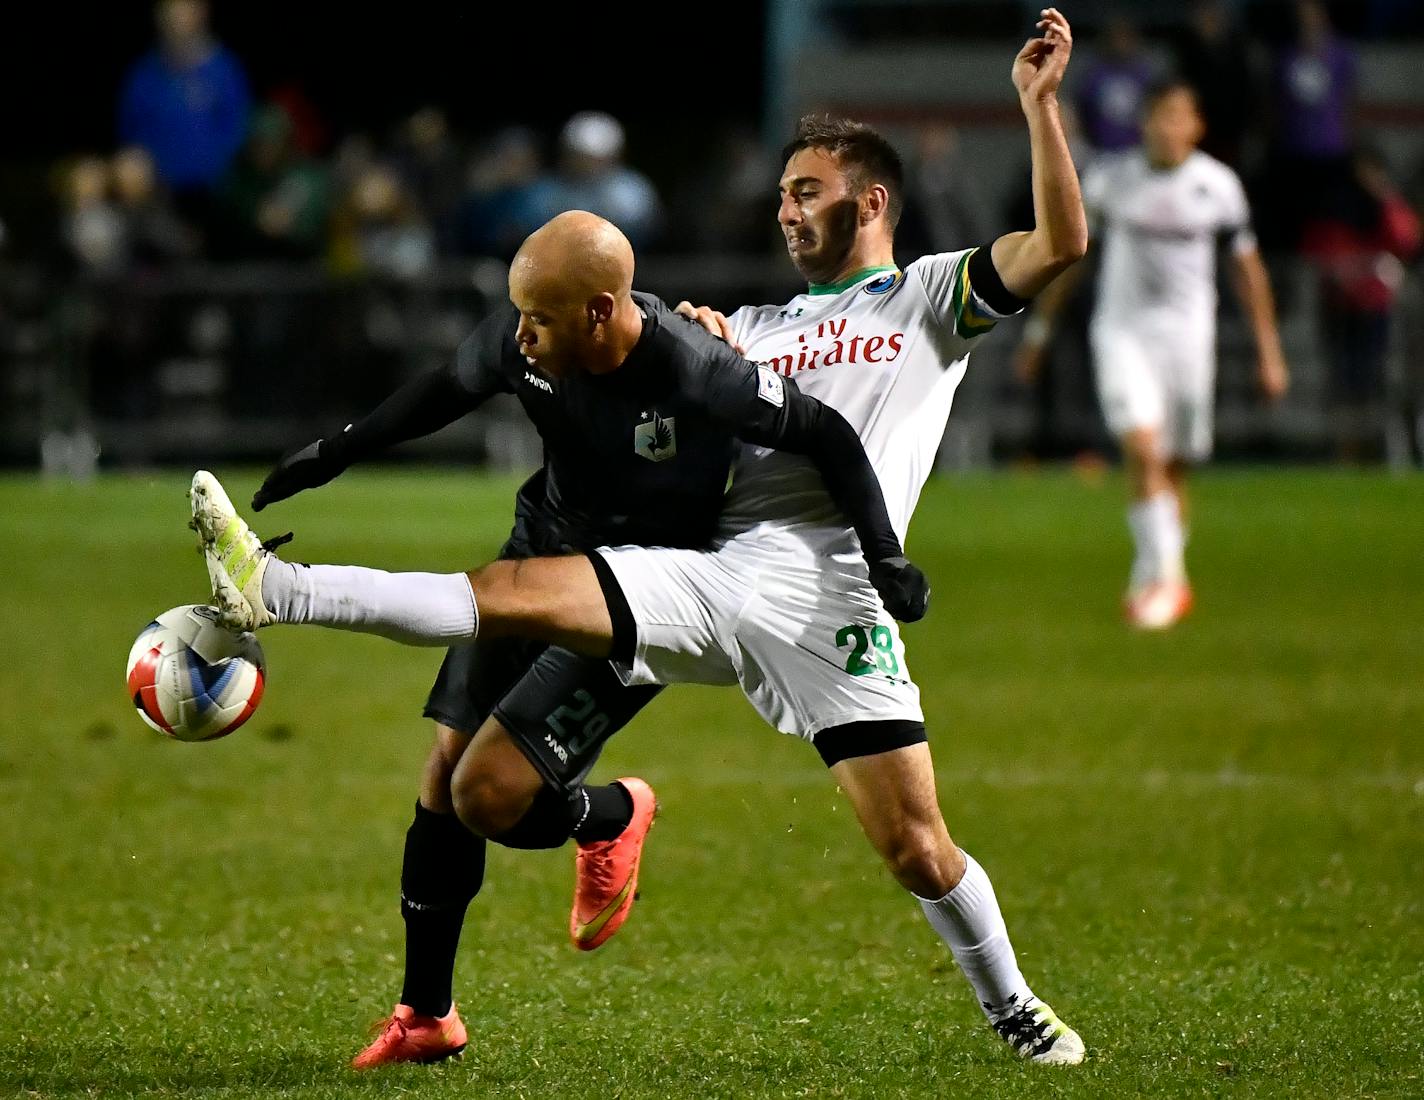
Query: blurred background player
column 1160, row 210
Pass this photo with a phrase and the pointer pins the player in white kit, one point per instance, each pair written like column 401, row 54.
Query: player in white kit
column 1160, row 211
column 784, row 605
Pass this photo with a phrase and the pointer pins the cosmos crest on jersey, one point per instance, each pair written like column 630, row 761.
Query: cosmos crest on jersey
column 886, row 284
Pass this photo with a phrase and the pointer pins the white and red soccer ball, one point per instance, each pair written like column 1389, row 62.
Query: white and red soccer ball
column 192, row 679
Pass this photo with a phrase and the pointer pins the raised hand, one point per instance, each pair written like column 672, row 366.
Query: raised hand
column 1039, row 67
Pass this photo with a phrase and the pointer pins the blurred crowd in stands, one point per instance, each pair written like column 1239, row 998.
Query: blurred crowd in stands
column 206, row 168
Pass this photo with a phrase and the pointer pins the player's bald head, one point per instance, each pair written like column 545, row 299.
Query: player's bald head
column 572, row 282
column 571, row 260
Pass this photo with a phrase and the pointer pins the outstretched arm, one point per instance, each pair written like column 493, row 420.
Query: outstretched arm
column 1028, row 261
column 422, row 406
column 768, row 410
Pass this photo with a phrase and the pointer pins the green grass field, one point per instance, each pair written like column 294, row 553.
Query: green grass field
column 1209, row 845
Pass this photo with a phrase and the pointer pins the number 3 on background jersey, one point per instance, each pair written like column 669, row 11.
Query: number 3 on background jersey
column 868, row 654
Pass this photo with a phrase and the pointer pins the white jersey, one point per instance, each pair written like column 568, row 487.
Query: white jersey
column 1160, row 229
column 887, row 350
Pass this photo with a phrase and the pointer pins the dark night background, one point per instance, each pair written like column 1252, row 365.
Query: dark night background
column 675, row 74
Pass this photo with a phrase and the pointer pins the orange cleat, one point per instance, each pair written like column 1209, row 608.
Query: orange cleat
column 406, row 1037
column 607, row 874
column 1159, row 605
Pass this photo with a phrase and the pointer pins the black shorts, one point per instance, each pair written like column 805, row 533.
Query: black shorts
column 559, row 707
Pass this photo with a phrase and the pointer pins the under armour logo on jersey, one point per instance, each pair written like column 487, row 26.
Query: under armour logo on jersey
column 787, row 315
column 537, row 382
column 656, row 438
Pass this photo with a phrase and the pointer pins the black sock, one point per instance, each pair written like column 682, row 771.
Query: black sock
column 547, row 823
column 443, row 870
column 586, row 813
column 606, row 814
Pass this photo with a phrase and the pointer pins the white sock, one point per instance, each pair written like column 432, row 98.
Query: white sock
column 1144, row 561
column 968, row 920
column 1168, row 538
column 414, row 608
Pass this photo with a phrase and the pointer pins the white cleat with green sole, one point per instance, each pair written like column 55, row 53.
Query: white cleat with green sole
column 1036, row 1033
column 235, row 556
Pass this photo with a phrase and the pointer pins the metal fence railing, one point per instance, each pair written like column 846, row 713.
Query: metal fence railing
column 237, row 363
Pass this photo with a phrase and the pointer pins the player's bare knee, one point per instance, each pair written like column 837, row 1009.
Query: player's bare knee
column 924, row 861
column 484, row 802
column 444, row 757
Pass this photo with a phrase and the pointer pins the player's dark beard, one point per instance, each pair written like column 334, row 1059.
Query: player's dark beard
column 836, row 238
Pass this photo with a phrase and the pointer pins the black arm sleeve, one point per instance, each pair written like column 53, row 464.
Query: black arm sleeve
column 768, row 410
column 429, row 402
column 827, row 439
column 989, row 285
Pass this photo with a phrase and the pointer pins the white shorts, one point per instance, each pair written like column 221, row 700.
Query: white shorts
column 1160, row 380
column 803, row 632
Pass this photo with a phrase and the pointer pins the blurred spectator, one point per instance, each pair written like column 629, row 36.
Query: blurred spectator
column 93, row 228
column 1112, row 89
column 113, row 322
column 1315, row 88
column 1214, row 56
column 944, row 206
column 309, row 131
column 500, row 206
column 432, row 164
column 724, row 208
column 353, row 155
column 1314, row 93
column 591, row 176
column 154, row 234
column 186, row 101
column 118, row 217
column 1358, row 244
column 274, row 202
column 379, row 230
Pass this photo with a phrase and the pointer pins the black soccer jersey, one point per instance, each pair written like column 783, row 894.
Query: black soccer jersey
column 640, row 454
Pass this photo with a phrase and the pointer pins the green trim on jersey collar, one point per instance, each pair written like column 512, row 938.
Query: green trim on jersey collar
column 850, row 280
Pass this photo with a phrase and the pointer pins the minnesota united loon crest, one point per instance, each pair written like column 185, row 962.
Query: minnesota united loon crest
column 656, row 437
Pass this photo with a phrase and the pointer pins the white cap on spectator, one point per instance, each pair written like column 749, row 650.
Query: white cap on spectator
column 594, row 134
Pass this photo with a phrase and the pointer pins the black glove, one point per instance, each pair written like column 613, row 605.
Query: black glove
column 313, row 465
column 903, row 588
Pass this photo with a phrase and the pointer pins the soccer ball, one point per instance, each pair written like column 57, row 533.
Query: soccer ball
column 192, row 679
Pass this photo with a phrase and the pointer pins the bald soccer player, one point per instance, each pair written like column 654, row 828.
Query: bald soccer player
column 783, row 605
column 640, row 412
